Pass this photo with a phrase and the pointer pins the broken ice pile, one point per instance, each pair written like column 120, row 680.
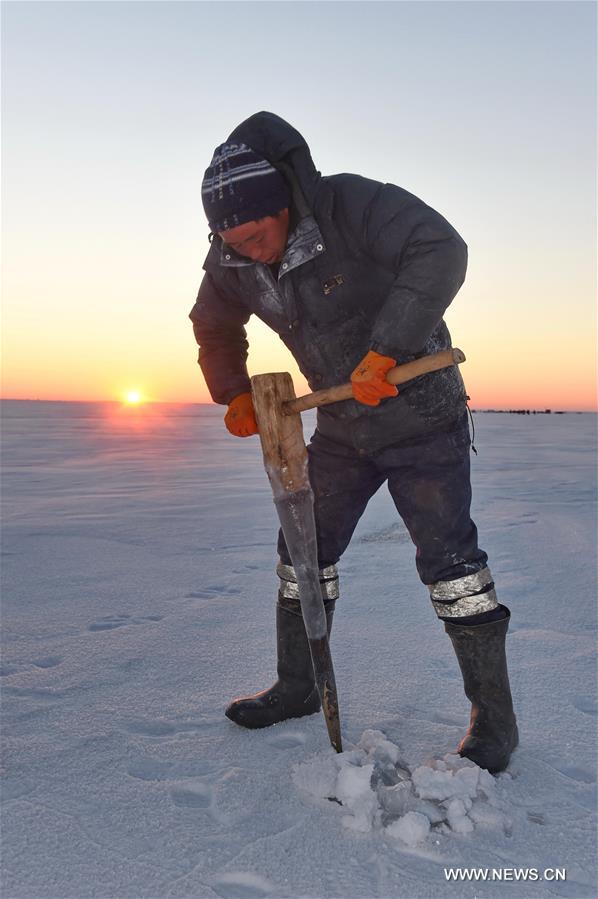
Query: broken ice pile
column 378, row 790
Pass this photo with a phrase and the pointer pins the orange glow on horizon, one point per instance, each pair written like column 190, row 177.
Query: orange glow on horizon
column 498, row 375
column 482, row 396
column 489, row 387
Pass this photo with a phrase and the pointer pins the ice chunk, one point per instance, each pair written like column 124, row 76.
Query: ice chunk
column 461, row 825
column 354, row 791
column 468, row 779
column 441, row 785
column 385, row 775
column 370, row 739
column 487, row 784
column 434, row 813
column 376, row 744
column 353, row 783
column 450, row 794
column 386, row 752
column 397, row 800
column 316, row 776
column 455, row 762
column 457, row 816
column 431, row 784
column 351, row 757
column 363, row 815
column 412, row 828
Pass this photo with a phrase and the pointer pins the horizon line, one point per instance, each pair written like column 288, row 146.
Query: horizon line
column 532, row 409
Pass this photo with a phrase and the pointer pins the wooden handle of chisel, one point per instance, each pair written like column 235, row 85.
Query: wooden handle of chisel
column 397, row 375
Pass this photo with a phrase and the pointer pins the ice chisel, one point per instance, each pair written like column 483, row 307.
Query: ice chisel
column 278, row 417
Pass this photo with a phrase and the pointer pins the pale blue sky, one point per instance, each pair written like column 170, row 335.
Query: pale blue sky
column 111, row 111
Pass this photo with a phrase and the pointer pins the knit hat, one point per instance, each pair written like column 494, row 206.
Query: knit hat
column 239, row 186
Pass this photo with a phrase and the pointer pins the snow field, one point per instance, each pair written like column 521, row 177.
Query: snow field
column 138, row 593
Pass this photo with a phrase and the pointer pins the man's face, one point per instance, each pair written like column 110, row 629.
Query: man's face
column 262, row 241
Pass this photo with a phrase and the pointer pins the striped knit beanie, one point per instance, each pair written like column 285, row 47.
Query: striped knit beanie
column 239, row 186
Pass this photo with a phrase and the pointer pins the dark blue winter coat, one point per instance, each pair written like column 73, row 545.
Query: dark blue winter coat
column 367, row 266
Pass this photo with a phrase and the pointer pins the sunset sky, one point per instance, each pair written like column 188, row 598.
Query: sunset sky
column 110, row 113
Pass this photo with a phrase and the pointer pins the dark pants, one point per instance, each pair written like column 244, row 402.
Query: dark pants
column 428, row 479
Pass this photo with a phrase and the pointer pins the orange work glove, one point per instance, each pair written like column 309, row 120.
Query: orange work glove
column 240, row 418
column 368, row 381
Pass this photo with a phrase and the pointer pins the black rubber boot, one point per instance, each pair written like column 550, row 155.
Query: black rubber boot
column 294, row 694
column 492, row 734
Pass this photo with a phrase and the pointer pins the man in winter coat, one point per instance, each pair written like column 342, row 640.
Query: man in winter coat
column 354, row 275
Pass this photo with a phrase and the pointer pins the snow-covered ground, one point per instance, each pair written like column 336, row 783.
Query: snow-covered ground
column 138, row 597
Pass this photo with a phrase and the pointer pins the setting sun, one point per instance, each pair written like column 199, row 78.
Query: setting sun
column 133, row 397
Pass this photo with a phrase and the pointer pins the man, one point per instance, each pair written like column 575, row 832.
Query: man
column 354, row 275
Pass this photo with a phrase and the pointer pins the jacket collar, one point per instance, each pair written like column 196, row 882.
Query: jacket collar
column 305, row 242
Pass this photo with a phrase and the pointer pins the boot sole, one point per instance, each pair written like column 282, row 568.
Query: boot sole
column 238, row 717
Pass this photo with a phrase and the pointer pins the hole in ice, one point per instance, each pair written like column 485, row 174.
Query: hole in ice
column 379, row 791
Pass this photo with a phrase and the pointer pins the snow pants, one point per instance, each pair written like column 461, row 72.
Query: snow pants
column 429, row 481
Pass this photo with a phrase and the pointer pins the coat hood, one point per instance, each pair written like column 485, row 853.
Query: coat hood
column 282, row 145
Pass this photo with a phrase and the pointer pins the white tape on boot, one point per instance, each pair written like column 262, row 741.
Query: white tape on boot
column 464, row 596
column 290, row 589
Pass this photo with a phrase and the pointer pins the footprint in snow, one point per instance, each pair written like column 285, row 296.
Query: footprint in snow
column 287, row 741
column 159, row 728
column 129, row 666
column 524, row 519
column 213, row 592
column 196, row 797
column 45, row 695
column 536, row 818
column 583, row 775
column 412, row 711
column 448, row 720
column 151, row 728
column 48, row 662
column 7, row 670
column 447, row 669
column 149, row 769
column 586, row 704
column 242, row 885
column 111, row 622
